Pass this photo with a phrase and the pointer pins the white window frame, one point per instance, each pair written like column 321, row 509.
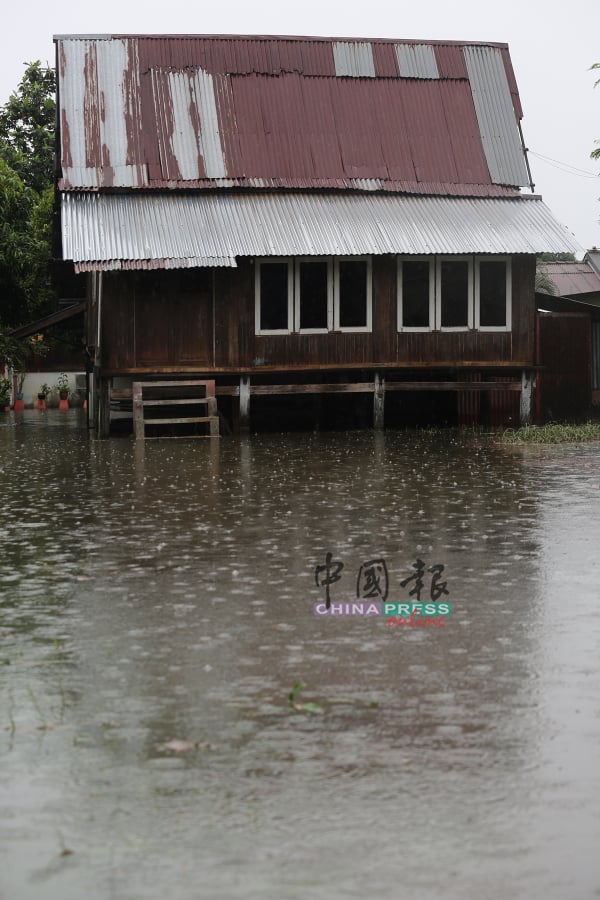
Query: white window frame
column 298, row 299
column 400, row 263
column 438, row 293
column 336, row 294
column 508, row 261
column 271, row 260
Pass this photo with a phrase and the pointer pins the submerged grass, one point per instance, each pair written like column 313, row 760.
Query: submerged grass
column 552, row 433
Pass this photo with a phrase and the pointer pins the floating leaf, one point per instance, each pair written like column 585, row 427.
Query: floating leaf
column 295, row 691
column 311, row 708
column 302, row 707
column 177, row 746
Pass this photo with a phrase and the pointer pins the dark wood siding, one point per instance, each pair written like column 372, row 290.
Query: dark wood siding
column 164, row 320
column 564, row 385
column 157, row 319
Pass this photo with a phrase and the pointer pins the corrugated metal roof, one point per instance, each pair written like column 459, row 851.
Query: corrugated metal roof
column 573, row 278
column 105, row 231
column 155, row 112
column 416, row 61
column 353, row 58
column 593, row 257
column 498, row 125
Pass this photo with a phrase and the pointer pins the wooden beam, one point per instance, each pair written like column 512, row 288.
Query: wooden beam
column 314, row 388
column 184, row 401
column 174, row 421
column 452, row 364
column 198, row 382
column 360, row 387
column 453, row 386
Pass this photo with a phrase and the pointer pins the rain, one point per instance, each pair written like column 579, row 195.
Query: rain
column 175, row 720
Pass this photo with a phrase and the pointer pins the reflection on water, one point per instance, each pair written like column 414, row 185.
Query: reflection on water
column 163, row 592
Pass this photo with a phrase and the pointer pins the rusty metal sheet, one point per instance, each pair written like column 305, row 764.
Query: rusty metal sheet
column 213, row 112
column 572, row 279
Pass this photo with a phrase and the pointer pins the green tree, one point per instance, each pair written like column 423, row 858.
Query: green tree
column 556, row 257
column 27, row 123
column 15, row 244
column 26, row 197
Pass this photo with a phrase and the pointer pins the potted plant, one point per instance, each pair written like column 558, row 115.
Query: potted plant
column 44, row 391
column 5, row 388
column 62, row 385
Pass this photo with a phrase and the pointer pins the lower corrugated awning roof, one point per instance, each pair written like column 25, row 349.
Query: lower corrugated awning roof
column 121, row 231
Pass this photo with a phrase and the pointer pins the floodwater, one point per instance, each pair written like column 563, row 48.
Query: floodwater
column 156, row 610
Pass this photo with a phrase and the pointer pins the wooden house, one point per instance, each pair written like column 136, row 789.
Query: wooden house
column 302, row 216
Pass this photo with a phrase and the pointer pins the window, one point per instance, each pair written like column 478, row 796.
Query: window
column 274, row 297
column 493, row 293
column 416, row 296
column 454, row 287
column 454, row 293
column 353, row 294
column 313, row 294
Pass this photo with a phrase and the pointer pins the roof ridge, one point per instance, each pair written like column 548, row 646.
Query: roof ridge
column 281, row 37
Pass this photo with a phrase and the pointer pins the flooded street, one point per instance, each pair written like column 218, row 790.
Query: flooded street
column 156, row 610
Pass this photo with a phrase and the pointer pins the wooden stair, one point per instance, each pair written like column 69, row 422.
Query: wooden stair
column 185, row 409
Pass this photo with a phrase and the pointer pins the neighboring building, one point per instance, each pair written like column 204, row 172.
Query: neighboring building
column 569, row 339
column 579, row 281
column 303, row 215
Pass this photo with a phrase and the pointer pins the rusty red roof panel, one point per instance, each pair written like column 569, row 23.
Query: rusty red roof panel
column 572, row 279
column 450, row 61
column 220, row 112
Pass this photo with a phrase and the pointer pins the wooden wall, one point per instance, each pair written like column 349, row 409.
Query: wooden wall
column 163, row 321
column 564, row 384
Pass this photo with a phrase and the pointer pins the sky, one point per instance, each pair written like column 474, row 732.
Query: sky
column 552, row 45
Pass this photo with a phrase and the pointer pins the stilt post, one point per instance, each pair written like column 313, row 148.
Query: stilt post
column 379, row 401
column 244, row 402
column 103, row 407
column 526, row 396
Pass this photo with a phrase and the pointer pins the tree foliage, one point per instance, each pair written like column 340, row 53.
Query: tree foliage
column 26, row 197
column 543, row 281
column 27, row 127
column 556, row 257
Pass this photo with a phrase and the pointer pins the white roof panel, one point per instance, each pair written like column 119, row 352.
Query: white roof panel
column 204, row 229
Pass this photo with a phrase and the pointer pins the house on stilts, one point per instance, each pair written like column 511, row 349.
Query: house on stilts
column 302, row 223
